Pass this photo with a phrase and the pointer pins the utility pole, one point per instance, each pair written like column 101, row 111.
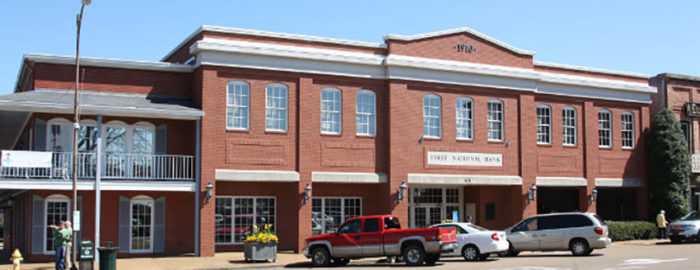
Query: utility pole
column 76, row 130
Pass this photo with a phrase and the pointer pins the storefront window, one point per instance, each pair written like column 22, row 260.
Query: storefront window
column 328, row 213
column 235, row 217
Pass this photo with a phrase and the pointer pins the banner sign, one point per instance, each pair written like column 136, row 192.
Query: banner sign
column 464, row 159
column 695, row 163
column 25, row 159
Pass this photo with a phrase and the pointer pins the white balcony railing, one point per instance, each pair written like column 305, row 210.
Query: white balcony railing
column 114, row 166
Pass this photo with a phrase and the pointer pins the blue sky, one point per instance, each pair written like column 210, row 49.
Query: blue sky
column 638, row 36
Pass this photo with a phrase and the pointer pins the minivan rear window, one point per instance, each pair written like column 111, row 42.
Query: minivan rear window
column 599, row 219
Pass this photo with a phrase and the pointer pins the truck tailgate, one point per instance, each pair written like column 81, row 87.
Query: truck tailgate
column 448, row 235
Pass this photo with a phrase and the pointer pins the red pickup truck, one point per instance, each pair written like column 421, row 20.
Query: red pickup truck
column 377, row 236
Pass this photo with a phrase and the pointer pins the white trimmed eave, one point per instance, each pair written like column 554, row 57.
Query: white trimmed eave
column 348, row 177
column 103, row 110
column 457, row 31
column 108, row 63
column 179, row 186
column 565, row 79
column 561, row 181
column 464, row 180
column 591, row 69
column 619, row 182
column 256, row 175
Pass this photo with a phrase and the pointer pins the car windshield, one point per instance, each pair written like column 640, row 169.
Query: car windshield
column 691, row 216
column 475, row 227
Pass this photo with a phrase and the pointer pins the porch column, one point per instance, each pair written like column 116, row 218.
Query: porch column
column 98, row 184
column 197, row 167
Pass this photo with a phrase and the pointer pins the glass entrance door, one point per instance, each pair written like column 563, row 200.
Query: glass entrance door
column 429, row 206
column 426, row 216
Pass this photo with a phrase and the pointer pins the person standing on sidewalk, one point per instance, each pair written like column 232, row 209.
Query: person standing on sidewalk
column 59, row 243
column 661, row 224
column 68, row 232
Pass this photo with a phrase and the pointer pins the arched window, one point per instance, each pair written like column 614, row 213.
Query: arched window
column 627, row 120
column 276, row 107
column 331, row 110
column 141, row 226
column 60, row 135
column 432, row 116
column 237, row 105
column 366, row 114
column 544, row 124
column 464, row 118
column 568, row 126
column 604, row 129
column 495, row 120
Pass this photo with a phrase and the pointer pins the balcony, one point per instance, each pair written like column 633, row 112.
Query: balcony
column 115, row 166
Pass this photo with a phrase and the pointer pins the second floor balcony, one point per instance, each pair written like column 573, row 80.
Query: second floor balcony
column 113, row 166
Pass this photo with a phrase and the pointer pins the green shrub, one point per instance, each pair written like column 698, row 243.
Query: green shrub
column 631, row 230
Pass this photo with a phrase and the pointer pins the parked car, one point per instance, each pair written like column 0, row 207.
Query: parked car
column 474, row 242
column 580, row 233
column 687, row 228
column 378, row 236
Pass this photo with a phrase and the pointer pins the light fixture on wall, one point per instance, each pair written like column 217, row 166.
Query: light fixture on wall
column 531, row 193
column 420, row 139
column 594, row 195
column 210, row 191
column 402, row 190
column 307, row 193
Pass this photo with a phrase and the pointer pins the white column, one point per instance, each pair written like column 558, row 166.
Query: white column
column 98, row 179
column 198, row 186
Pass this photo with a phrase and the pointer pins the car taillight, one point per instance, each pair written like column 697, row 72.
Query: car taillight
column 494, row 236
column 599, row 230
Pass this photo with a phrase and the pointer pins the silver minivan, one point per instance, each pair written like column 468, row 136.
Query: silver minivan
column 580, row 233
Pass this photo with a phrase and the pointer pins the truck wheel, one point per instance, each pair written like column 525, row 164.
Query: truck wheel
column 431, row 259
column 320, row 257
column 340, row 261
column 414, row 255
column 579, row 247
column 470, row 253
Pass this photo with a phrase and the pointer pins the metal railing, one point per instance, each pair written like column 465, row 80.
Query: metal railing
column 114, row 166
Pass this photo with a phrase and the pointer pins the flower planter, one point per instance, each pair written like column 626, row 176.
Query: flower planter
column 255, row 251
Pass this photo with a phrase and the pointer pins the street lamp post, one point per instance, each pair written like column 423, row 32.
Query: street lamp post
column 76, row 129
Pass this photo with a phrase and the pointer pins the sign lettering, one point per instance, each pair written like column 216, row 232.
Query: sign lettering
column 464, row 159
column 468, row 48
column 25, row 159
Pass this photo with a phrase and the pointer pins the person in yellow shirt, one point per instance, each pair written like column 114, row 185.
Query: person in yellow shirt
column 661, row 225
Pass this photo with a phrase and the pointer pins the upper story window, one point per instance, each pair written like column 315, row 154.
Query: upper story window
column 544, row 124
column 464, row 118
column 331, row 111
column 627, row 120
column 685, row 126
column 366, row 113
column 568, row 126
column 604, row 129
column 276, row 107
column 495, row 120
column 432, row 112
column 237, row 105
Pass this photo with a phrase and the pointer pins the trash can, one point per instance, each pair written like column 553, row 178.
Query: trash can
column 87, row 255
column 108, row 257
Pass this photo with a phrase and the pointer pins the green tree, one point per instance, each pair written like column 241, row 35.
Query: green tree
column 669, row 166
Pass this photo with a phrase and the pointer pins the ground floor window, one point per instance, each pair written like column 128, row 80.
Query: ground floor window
column 430, row 206
column 141, row 224
column 57, row 209
column 328, row 213
column 235, row 217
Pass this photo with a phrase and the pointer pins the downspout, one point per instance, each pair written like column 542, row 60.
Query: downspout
column 198, row 187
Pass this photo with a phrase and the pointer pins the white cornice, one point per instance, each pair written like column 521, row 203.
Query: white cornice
column 106, row 62
column 565, row 79
column 457, row 31
column 591, row 69
column 461, row 67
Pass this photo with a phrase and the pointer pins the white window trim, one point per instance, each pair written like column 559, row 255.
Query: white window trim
column 374, row 116
column 569, row 108
column 502, row 122
column 342, row 209
column 286, row 107
column 439, row 117
column 622, row 130
column 247, row 125
column 53, row 198
column 233, row 199
column 469, row 119
column 610, row 130
column 141, row 199
column 549, row 130
column 340, row 112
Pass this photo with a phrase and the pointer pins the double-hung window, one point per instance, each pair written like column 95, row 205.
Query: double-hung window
column 235, row 216
column 568, row 126
column 464, row 118
column 276, row 107
column 237, row 105
column 627, row 120
column 366, row 114
column 432, row 112
column 495, row 120
column 544, row 124
column 604, row 129
column 331, row 111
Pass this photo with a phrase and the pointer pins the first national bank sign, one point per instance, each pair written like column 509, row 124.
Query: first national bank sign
column 464, row 159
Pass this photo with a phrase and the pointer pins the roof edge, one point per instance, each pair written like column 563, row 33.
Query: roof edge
column 591, row 69
column 679, row 76
column 107, row 62
column 456, row 31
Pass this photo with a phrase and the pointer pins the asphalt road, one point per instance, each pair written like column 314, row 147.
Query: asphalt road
column 630, row 255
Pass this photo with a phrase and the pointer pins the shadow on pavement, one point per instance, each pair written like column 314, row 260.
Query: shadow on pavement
column 681, row 243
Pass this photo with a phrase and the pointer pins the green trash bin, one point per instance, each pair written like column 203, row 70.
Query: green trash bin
column 87, row 255
column 108, row 257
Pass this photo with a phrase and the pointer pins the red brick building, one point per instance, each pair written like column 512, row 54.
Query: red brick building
column 303, row 132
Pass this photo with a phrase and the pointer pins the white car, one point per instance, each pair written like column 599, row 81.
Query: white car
column 475, row 242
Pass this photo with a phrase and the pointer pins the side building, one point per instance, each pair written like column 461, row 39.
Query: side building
column 239, row 127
